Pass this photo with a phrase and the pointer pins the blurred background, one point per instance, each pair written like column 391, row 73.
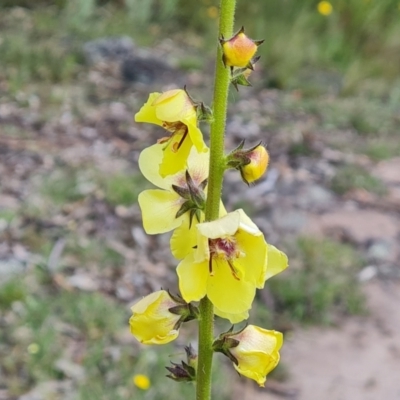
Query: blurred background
column 73, row 254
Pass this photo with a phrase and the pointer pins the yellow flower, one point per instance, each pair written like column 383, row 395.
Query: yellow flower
column 152, row 322
column 325, row 8
column 141, row 381
column 160, row 207
column 239, row 50
column 228, row 264
column 179, row 203
column 212, row 12
column 254, row 351
column 175, row 112
column 33, row 348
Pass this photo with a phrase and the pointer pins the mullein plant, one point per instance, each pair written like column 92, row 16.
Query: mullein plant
column 223, row 257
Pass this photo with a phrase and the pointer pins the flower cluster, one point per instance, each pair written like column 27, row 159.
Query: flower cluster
column 226, row 259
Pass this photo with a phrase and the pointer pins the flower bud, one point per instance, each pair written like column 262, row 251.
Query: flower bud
column 181, row 372
column 239, row 50
column 157, row 317
column 185, row 371
column 258, row 164
column 251, row 163
column 254, row 351
column 191, row 356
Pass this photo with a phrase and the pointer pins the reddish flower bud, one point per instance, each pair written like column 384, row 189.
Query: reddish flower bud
column 239, row 50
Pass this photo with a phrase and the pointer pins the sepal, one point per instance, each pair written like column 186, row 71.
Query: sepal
column 185, row 371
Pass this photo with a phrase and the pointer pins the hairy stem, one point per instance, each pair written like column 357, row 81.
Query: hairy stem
column 217, row 168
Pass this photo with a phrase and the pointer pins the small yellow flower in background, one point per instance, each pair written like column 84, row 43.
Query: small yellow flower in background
column 239, row 50
column 33, row 348
column 176, row 113
column 254, row 351
column 152, row 322
column 212, row 12
column 141, row 381
column 229, row 263
column 325, row 8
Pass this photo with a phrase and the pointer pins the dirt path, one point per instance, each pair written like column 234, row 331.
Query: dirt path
column 360, row 360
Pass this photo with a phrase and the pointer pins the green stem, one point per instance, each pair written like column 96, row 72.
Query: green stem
column 220, row 104
column 217, row 168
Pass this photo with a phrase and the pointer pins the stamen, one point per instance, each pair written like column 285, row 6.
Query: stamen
column 210, row 269
column 163, row 139
column 182, row 139
column 233, row 270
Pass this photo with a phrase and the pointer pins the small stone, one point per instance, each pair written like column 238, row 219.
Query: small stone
column 315, row 197
column 358, row 226
column 51, row 390
column 382, row 250
column 289, row 220
column 83, row 282
column 108, row 49
column 388, row 171
column 10, row 267
column 367, row 273
column 74, row 371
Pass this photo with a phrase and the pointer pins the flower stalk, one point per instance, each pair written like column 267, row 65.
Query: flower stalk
column 223, row 256
column 216, row 171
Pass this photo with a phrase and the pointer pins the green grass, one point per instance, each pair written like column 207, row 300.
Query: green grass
column 61, row 186
column 320, row 284
column 11, row 291
column 355, row 48
column 121, row 189
column 380, row 149
column 351, row 177
column 84, row 329
column 94, row 252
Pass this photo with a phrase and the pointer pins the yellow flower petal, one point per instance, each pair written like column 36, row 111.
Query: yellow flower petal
column 151, row 321
column 225, row 226
column 228, row 294
column 148, row 113
column 159, row 208
column 277, row 262
column 149, row 164
column 255, row 249
column 174, row 159
column 195, row 135
column 192, row 279
column 183, row 240
column 233, row 318
column 174, row 105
